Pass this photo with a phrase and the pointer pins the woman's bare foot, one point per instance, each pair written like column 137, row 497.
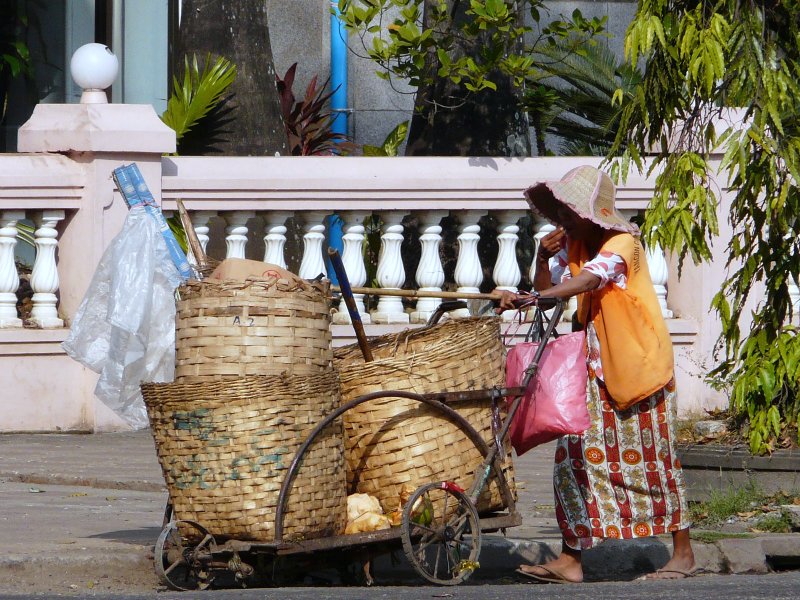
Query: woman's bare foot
column 565, row 567
column 682, row 564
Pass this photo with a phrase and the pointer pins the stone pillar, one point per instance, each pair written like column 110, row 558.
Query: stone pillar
column 659, row 273
column 794, row 295
column 469, row 273
column 353, row 260
column 506, row 271
column 391, row 274
column 98, row 138
column 430, row 273
column 44, row 278
column 541, row 228
column 275, row 237
column 9, row 278
column 236, row 232
column 313, row 263
column 200, row 220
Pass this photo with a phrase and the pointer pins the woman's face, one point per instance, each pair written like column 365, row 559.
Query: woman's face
column 576, row 227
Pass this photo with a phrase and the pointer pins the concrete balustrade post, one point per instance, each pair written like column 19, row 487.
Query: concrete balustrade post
column 430, row 273
column 506, row 273
column 469, row 272
column 659, row 273
column 236, row 232
column 92, row 140
column 541, row 228
column 44, row 278
column 200, row 220
column 313, row 262
column 794, row 296
column 353, row 260
column 275, row 237
column 9, row 277
column 391, row 273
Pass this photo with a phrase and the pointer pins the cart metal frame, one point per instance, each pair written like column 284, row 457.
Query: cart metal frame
column 183, row 566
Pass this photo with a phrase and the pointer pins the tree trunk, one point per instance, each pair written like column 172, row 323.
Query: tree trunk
column 238, row 31
column 487, row 123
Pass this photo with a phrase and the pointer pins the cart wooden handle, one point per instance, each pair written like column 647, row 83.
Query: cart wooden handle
column 421, row 293
column 347, row 294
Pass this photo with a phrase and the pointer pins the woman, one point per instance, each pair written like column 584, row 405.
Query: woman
column 620, row 478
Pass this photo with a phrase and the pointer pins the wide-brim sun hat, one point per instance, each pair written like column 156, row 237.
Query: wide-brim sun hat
column 588, row 192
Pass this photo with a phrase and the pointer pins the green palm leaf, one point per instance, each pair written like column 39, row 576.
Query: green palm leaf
column 573, row 97
column 198, row 93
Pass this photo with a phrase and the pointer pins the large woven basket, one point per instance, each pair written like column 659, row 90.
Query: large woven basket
column 254, row 327
column 392, row 443
column 225, row 447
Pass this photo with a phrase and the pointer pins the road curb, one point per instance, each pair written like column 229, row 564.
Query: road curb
column 91, row 482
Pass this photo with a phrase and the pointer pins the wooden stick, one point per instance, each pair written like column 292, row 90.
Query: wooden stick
column 191, row 236
column 350, row 302
column 421, row 293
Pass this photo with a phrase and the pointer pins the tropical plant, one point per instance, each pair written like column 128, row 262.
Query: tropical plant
column 466, row 63
column 573, row 97
column 701, row 58
column 391, row 144
column 308, row 122
column 198, row 103
column 15, row 57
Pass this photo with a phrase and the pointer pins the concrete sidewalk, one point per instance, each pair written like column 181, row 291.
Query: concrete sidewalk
column 83, row 511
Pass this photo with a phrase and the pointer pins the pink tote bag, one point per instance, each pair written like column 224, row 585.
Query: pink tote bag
column 555, row 399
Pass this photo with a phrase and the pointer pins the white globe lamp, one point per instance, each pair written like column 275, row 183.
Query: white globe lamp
column 94, row 67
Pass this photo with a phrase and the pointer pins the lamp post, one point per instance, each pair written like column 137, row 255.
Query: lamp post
column 94, row 67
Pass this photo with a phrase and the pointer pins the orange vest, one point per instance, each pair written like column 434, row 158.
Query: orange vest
column 635, row 346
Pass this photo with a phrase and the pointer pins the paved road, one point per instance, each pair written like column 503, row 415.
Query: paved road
column 783, row 586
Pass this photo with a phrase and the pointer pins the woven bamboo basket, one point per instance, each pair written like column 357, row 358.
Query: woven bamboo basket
column 225, row 447
column 258, row 326
column 392, row 443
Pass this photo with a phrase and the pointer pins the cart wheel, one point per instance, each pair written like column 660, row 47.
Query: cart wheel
column 441, row 533
column 180, row 564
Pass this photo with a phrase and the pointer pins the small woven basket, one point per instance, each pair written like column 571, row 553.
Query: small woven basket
column 258, row 326
column 392, row 443
column 225, row 447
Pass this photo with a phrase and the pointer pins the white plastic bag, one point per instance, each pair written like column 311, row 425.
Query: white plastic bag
column 125, row 326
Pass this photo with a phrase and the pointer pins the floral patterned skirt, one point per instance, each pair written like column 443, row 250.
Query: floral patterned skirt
column 621, row 477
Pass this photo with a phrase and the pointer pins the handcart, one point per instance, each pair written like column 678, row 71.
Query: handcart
column 443, row 544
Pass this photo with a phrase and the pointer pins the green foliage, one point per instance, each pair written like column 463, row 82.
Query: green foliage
column 197, row 94
column 391, row 144
column 574, row 100
column 723, row 504
column 15, row 57
column 700, row 59
column 780, row 522
column 429, row 39
column 308, row 122
column 176, row 227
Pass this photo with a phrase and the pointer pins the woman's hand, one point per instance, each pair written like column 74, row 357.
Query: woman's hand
column 506, row 301
column 551, row 244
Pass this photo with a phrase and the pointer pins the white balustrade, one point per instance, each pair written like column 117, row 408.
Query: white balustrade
column 275, row 237
column 353, row 260
column 236, row 232
column 659, row 273
column 391, row 274
column 469, row 273
column 313, row 263
column 200, row 222
column 9, row 278
column 794, row 300
column 506, row 273
column 44, row 277
column 430, row 273
column 541, row 228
